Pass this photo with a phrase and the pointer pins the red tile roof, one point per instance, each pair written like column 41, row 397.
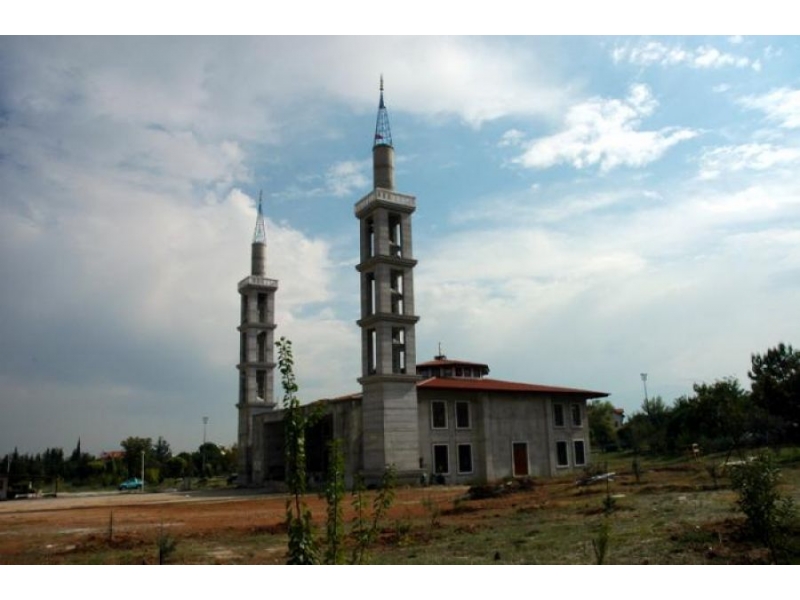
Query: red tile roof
column 484, row 385
column 496, row 385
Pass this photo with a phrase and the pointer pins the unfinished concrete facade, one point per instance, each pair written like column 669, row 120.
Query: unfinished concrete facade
column 442, row 420
column 388, row 357
column 256, row 356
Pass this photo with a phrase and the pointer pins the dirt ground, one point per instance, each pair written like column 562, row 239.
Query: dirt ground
column 81, row 527
column 676, row 514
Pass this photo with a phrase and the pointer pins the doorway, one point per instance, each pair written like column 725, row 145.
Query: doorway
column 519, row 451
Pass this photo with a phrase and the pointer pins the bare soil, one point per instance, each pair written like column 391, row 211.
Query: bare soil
column 675, row 514
column 125, row 526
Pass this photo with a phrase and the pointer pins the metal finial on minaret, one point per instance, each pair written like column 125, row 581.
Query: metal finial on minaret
column 382, row 149
column 259, row 246
column 260, row 234
column 383, row 134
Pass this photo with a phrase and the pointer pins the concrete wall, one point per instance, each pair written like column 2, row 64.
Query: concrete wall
column 497, row 421
column 389, row 428
column 383, row 430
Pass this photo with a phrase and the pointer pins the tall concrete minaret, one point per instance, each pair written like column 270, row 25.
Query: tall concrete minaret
column 388, row 350
column 256, row 362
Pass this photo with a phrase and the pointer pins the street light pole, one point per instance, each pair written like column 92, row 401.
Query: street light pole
column 644, row 382
column 143, row 471
column 205, row 422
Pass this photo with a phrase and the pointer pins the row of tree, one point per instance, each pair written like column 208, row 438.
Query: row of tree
column 722, row 416
column 108, row 469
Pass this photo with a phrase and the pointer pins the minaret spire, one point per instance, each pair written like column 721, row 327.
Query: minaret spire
column 259, row 247
column 260, row 234
column 382, row 149
column 383, row 134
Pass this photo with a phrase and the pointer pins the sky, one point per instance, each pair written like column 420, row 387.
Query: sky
column 588, row 209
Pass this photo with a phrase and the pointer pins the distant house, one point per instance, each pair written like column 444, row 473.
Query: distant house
column 112, row 455
column 619, row 417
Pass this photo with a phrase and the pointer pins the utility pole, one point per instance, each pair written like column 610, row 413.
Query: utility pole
column 205, row 422
column 143, row 471
column 644, row 382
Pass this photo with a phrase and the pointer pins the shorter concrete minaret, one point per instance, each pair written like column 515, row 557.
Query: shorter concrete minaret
column 256, row 354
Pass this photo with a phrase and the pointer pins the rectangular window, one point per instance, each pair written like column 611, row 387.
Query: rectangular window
column 441, row 459
column 465, row 458
column 262, row 346
column 370, row 245
column 398, row 350
column 558, row 415
column 462, row 415
column 262, row 308
column 395, row 236
column 243, row 347
column 576, row 415
column 580, row 454
column 397, row 292
column 562, row 460
column 372, row 351
column 371, row 297
column 242, row 387
column 261, row 385
column 438, row 415
column 244, row 309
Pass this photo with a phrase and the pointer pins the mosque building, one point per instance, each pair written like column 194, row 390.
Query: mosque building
column 442, row 420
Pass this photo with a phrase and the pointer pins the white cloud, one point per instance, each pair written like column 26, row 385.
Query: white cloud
column 347, row 177
column 781, row 105
column 512, row 137
column 758, row 157
column 702, row 57
column 681, row 284
column 605, row 132
column 770, row 52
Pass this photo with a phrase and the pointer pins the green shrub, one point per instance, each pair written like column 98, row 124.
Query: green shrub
column 769, row 515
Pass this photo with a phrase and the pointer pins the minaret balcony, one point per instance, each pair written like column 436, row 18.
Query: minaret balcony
column 387, row 199
column 386, row 259
column 244, row 366
column 373, row 319
column 255, row 326
column 257, row 281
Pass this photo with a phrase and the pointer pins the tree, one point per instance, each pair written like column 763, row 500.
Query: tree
column 775, row 378
column 769, row 514
column 134, row 446
column 161, row 451
column 177, row 466
column 213, row 457
column 647, row 429
column 725, row 411
column 601, row 424
column 302, row 545
column 53, row 463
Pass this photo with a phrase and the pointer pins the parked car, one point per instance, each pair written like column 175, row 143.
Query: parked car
column 131, row 484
